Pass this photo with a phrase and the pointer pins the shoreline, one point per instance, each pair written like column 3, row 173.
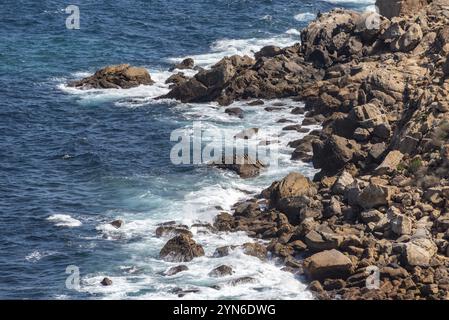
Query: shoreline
column 373, row 224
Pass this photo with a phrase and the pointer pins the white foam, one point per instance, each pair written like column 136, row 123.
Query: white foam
column 64, row 220
column 305, row 16
column 229, row 47
column 37, row 255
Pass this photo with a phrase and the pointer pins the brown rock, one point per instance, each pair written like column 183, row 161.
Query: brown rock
column 181, row 248
column 113, row 77
column 328, row 264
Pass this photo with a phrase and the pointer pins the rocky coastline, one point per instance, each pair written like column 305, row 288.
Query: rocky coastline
column 380, row 204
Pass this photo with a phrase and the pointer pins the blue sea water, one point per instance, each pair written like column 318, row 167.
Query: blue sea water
column 71, row 161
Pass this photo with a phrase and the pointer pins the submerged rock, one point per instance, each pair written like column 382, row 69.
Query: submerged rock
column 221, row 271
column 181, row 248
column 175, row 270
column 106, row 282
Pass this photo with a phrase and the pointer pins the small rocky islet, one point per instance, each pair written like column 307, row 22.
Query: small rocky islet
column 379, row 86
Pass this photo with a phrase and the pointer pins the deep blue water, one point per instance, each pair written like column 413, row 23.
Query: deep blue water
column 95, row 156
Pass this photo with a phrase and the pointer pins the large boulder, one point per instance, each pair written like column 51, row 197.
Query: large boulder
column 207, row 85
column 390, row 163
column 181, row 248
column 332, row 154
column 330, row 37
column 374, row 195
column 328, row 264
column 187, row 63
column 115, row 77
column 419, row 252
column 395, row 8
column 286, row 193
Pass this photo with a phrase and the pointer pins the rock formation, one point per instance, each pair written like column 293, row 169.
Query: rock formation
column 115, row 77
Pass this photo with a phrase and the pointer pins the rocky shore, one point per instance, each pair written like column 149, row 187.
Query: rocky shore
column 379, row 206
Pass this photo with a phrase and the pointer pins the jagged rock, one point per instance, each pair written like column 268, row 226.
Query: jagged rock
column 177, row 79
column 268, row 52
column 181, row 248
column 117, row 223
column 419, row 252
column 255, row 249
column 394, row 8
column 106, row 282
column 322, row 241
column 374, row 195
column 221, row 271
column 244, row 166
column 223, row 251
column 401, row 225
column 114, row 77
column 368, row 116
column 163, row 231
column 187, row 63
column 328, row 264
column 334, row 153
column 237, row 112
column 191, row 90
column 411, row 38
column 242, row 280
column 371, row 216
column 342, row 183
column 285, row 193
column 390, row 163
column 175, row 270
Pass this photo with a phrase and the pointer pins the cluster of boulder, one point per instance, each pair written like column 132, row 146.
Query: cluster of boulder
column 379, row 207
column 379, row 86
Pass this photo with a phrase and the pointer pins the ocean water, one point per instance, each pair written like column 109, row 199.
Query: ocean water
column 71, row 161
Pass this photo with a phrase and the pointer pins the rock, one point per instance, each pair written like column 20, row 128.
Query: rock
column 244, row 166
column 216, row 77
column 163, row 231
column 255, row 103
column 177, row 79
column 191, row 90
column 322, row 241
column 187, row 63
column 242, row 280
column 334, row 153
column 181, row 248
column 268, row 52
column 237, row 112
column 328, row 264
column 223, row 251
column 247, row 133
column 342, row 183
column 114, row 77
column 419, row 252
column 286, row 192
column 401, row 225
column 411, row 38
column 255, row 249
column 117, row 223
column 390, row 163
column 367, row 116
column 371, row 216
column 221, row 271
column 175, row 270
column 395, row 8
column 374, row 195
column 106, row 282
